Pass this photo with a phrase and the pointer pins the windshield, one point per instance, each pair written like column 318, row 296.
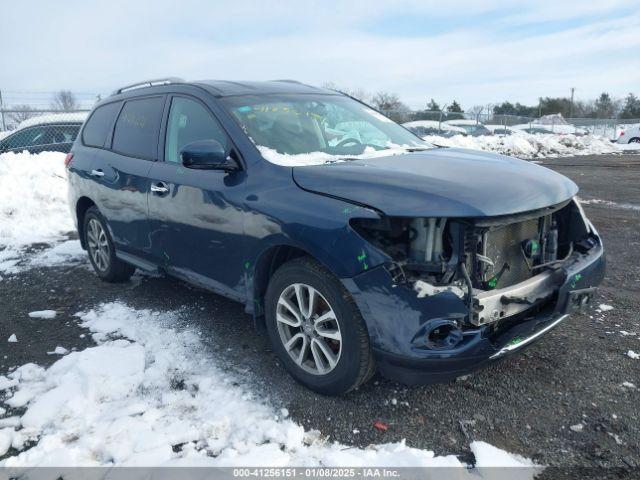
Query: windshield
column 314, row 129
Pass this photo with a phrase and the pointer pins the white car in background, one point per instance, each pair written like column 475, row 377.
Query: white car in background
column 472, row 127
column 630, row 134
column 422, row 128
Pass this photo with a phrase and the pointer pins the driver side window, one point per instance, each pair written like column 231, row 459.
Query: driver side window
column 188, row 122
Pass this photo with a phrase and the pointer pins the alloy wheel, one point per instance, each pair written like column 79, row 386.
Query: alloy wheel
column 309, row 329
column 98, row 245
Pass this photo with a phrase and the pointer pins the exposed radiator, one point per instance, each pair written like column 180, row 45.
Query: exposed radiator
column 503, row 245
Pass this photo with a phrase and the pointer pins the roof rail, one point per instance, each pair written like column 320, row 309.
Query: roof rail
column 287, row 80
column 148, row 83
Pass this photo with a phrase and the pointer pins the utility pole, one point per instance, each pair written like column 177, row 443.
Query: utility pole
column 4, row 127
column 573, row 89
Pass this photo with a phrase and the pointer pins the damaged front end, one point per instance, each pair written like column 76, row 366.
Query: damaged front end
column 466, row 290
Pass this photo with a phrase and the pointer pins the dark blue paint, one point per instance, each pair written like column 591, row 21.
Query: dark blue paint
column 395, row 318
column 441, row 182
column 219, row 229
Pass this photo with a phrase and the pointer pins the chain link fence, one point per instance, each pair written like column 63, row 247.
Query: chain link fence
column 606, row 127
column 39, row 130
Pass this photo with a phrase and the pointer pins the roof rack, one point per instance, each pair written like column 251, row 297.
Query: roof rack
column 287, row 80
column 148, row 83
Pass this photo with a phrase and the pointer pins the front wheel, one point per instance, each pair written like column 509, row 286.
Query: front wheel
column 635, row 140
column 102, row 254
column 316, row 328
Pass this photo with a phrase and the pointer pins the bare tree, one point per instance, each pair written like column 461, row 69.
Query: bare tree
column 476, row 111
column 64, row 100
column 357, row 93
column 19, row 113
column 391, row 106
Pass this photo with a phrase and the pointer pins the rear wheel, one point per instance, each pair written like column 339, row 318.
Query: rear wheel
column 316, row 328
column 102, row 255
column 635, row 140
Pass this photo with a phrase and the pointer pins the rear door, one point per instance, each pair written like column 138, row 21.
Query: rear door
column 122, row 173
column 196, row 216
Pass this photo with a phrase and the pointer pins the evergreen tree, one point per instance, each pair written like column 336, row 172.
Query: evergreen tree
column 454, row 111
column 604, row 106
column 631, row 107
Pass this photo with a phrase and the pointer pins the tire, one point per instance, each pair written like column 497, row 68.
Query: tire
column 353, row 359
column 106, row 265
column 634, row 140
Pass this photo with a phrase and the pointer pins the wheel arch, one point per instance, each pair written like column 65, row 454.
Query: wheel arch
column 82, row 205
column 265, row 265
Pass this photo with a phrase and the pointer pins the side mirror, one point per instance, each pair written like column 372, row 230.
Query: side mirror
column 207, row 155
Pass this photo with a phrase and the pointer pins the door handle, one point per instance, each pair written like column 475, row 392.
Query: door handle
column 97, row 173
column 159, row 188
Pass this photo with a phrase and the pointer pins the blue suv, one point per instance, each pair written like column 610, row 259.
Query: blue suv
column 356, row 245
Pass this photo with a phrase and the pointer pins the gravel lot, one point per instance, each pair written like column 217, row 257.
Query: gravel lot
column 524, row 405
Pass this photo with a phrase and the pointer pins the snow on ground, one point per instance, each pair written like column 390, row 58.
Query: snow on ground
column 45, row 314
column 149, row 393
column 608, row 203
column 33, row 207
column 525, row 145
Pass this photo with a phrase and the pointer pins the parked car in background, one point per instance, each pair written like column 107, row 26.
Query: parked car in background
column 558, row 129
column 500, row 129
column 471, row 127
column 556, row 123
column 355, row 244
column 423, row 128
column 532, row 129
column 631, row 134
column 45, row 133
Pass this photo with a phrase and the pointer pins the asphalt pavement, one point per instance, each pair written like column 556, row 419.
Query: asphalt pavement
column 525, row 404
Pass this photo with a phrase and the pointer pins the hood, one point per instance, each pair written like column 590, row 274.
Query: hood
column 443, row 182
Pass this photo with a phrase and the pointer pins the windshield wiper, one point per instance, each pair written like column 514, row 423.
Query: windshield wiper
column 418, row 149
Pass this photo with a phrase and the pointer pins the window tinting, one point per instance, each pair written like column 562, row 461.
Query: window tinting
column 188, row 122
column 97, row 128
column 136, row 131
column 61, row 133
column 28, row 137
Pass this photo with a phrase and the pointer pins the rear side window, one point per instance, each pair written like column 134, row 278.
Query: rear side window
column 97, row 128
column 29, row 137
column 136, row 132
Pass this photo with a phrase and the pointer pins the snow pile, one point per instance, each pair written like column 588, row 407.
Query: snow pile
column 33, row 203
column 525, row 145
column 319, row 158
column 150, row 394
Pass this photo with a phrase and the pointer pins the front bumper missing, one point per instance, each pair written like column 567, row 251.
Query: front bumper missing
column 493, row 305
column 398, row 321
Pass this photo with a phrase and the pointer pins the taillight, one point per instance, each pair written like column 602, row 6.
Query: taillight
column 67, row 159
column 622, row 133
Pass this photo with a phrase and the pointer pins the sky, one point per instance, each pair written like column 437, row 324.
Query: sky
column 477, row 52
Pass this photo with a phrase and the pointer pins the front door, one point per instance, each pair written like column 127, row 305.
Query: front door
column 196, row 216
